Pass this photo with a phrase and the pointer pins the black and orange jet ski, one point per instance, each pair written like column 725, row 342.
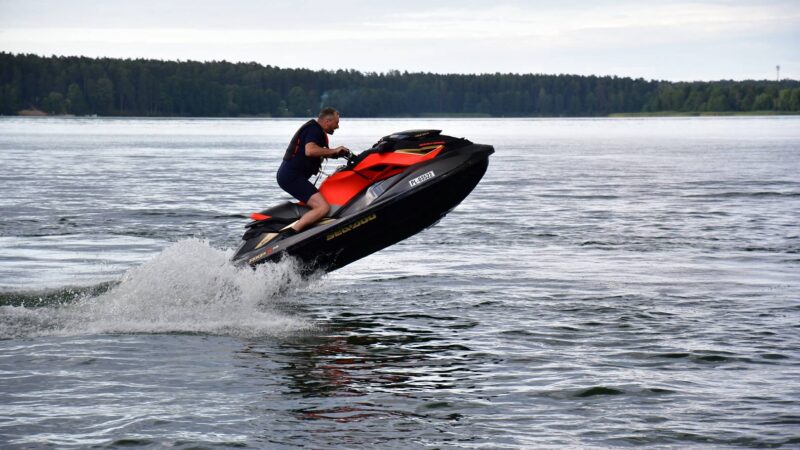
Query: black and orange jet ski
column 405, row 183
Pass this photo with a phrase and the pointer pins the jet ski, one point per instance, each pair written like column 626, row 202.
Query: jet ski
column 406, row 182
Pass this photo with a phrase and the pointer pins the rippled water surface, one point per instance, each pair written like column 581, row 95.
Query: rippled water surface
column 609, row 283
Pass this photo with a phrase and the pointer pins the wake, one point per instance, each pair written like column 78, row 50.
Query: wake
column 190, row 287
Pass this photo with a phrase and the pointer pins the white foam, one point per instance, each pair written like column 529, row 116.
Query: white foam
column 190, row 287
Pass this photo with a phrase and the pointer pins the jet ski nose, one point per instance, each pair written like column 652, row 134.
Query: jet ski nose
column 486, row 149
column 480, row 151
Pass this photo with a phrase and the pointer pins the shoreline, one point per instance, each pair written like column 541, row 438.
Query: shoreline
column 703, row 114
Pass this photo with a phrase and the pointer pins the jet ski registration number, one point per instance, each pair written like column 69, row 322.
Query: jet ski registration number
column 421, row 179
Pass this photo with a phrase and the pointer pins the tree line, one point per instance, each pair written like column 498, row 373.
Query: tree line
column 141, row 87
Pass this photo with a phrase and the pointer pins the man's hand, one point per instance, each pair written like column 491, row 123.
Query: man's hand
column 340, row 151
column 315, row 151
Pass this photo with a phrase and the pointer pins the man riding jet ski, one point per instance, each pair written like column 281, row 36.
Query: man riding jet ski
column 405, row 183
column 303, row 159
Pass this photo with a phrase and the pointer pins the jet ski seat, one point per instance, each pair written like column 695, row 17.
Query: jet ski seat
column 285, row 213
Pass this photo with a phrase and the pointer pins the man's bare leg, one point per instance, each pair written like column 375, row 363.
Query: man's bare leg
column 319, row 209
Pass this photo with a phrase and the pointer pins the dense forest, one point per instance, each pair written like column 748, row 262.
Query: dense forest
column 125, row 87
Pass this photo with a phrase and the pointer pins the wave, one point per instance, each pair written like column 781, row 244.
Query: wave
column 190, row 287
column 735, row 194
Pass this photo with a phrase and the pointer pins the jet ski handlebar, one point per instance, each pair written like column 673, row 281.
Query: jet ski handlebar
column 348, row 155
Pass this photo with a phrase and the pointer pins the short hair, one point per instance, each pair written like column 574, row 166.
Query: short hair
column 327, row 112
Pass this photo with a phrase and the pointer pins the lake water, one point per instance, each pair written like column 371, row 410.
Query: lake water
column 609, row 283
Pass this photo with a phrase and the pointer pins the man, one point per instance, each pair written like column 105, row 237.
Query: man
column 303, row 159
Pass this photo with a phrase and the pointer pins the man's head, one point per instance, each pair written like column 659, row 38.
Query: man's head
column 329, row 120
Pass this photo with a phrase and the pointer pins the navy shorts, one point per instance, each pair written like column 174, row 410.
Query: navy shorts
column 295, row 184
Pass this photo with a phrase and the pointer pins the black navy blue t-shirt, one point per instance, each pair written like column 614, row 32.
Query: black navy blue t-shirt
column 301, row 163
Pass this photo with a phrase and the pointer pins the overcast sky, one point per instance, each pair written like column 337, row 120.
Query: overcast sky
column 669, row 40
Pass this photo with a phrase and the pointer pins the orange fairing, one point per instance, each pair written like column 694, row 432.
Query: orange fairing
column 258, row 216
column 340, row 187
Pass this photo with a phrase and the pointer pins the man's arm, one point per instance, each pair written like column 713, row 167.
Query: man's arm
column 315, row 151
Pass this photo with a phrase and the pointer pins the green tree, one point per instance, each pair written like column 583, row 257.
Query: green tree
column 784, row 102
column 76, row 104
column 544, row 103
column 717, row 101
column 696, row 100
column 9, row 99
column 100, row 94
column 763, row 102
column 298, row 102
column 794, row 102
column 54, row 103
